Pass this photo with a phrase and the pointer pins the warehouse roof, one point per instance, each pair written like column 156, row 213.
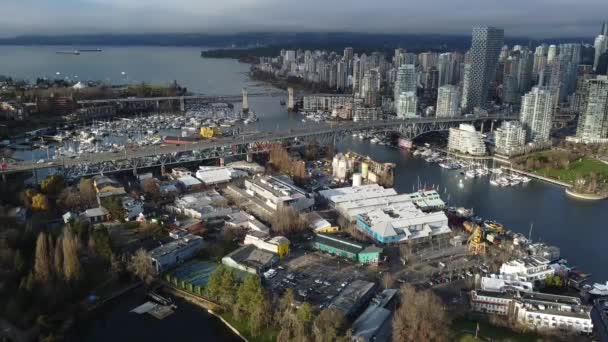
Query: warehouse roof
column 339, row 243
column 251, row 256
column 352, row 296
column 216, row 174
column 347, row 194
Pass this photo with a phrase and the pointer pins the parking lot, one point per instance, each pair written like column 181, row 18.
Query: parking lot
column 316, row 277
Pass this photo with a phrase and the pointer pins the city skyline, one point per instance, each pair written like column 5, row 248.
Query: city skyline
column 565, row 19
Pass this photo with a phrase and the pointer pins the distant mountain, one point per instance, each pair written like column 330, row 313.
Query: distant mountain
column 310, row 40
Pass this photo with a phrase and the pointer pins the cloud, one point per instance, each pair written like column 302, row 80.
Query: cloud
column 535, row 18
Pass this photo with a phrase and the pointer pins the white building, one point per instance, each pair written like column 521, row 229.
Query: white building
column 407, row 105
column 353, row 201
column 401, row 223
column 448, row 101
column 212, row 175
column 593, row 121
column 406, row 80
column 325, row 102
column 202, row 205
column 497, row 303
column 510, row 138
column 533, row 269
column 601, row 45
column 277, row 192
column 537, row 113
column 277, row 244
column 465, row 139
column 544, row 311
column 241, row 219
column 175, row 252
column 446, row 68
column 251, row 259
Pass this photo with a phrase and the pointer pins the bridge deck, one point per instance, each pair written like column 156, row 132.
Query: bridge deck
column 186, row 97
column 313, row 130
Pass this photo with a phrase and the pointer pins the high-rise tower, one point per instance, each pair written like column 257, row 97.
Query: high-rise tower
column 537, row 113
column 593, row 121
column 485, row 49
column 245, row 101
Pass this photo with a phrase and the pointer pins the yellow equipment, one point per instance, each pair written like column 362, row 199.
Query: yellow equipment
column 469, row 227
column 495, row 226
column 477, row 245
column 210, row 132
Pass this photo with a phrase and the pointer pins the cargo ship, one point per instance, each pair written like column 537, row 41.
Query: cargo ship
column 75, row 52
column 90, row 50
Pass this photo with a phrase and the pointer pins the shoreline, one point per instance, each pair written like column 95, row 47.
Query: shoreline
column 585, row 197
column 202, row 303
column 543, row 178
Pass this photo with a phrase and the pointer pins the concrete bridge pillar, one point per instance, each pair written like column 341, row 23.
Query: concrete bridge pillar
column 482, row 126
column 162, row 168
column 157, row 105
column 249, row 157
column 492, row 126
column 134, row 170
column 221, row 161
column 182, row 104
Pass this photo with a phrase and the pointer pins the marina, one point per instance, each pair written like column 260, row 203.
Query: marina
column 125, row 133
column 573, row 226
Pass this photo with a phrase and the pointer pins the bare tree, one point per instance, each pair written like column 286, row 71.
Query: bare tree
column 420, row 317
column 388, row 280
column 72, row 270
column 288, row 221
column 87, row 191
column 69, row 199
column 58, row 257
column 151, row 188
column 42, row 262
column 141, row 266
column 327, row 325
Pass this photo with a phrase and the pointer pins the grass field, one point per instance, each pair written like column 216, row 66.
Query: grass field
column 464, row 331
column 578, row 168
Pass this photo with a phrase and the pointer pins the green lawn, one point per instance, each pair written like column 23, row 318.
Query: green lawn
column 578, row 168
column 267, row 335
column 464, row 331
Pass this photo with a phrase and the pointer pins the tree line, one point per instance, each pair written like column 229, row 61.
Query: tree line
column 249, row 302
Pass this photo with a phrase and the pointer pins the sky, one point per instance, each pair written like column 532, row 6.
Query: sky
column 530, row 18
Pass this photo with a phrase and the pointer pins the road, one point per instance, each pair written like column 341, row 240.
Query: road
column 312, row 129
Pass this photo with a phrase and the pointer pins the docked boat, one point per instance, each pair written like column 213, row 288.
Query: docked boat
column 600, row 290
column 470, row 174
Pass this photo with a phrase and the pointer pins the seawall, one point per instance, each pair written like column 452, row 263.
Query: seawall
column 586, row 197
column 203, row 303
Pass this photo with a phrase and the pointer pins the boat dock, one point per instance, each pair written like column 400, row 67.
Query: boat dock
column 535, row 176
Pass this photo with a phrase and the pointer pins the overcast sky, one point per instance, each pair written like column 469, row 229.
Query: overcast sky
column 532, row 18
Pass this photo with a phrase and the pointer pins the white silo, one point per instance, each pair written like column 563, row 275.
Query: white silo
column 342, row 170
column 357, row 179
